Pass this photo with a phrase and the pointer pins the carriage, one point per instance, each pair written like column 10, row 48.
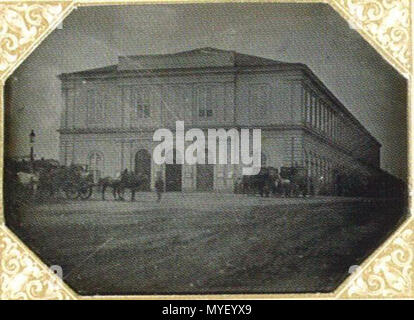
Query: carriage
column 74, row 181
column 291, row 181
column 298, row 180
column 79, row 185
column 262, row 183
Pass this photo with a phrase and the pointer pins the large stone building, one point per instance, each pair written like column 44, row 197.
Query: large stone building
column 110, row 115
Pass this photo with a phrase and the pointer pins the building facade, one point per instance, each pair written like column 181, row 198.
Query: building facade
column 110, row 114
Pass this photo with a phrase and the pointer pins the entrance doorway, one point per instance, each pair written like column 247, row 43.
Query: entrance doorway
column 205, row 177
column 143, row 167
column 173, row 174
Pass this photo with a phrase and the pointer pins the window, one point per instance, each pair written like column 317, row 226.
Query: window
column 308, row 107
column 336, row 127
column 205, row 113
column 205, row 107
column 142, row 108
column 330, row 123
column 311, row 115
column 143, row 111
column 320, row 114
column 95, row 165
column 96, row 110
column 315, row 111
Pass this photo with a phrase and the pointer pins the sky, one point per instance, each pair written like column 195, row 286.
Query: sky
column 313, row 34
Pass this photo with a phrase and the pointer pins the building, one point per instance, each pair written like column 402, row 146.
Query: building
column 110, row 114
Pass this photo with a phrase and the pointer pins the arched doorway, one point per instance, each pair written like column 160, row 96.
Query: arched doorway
column 205, row 175
column 143, row 167
column 173, row 173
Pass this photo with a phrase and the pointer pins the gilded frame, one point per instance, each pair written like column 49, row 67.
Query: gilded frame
column 385, row 24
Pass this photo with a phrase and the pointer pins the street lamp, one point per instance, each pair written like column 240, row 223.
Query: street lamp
column 32, row 140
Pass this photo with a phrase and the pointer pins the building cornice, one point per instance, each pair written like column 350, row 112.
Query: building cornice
column 115, row 74
column 269, row 127
column 202, row 126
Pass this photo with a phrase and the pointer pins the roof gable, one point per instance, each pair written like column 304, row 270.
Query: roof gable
column 200, row 58
column 197, row 58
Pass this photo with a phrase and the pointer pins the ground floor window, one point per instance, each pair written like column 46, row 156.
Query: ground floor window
column 95, row 165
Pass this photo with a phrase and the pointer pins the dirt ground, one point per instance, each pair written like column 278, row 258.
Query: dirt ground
column 205, row 243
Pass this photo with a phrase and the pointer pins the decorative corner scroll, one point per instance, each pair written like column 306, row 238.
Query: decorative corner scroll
column 22, row 276
column 389, row 274
column 385, row 24
column 22, row 26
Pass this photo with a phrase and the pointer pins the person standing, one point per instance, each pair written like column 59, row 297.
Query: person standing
column 159, row 187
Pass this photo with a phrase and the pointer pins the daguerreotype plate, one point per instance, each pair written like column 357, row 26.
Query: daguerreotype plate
column 199, row 149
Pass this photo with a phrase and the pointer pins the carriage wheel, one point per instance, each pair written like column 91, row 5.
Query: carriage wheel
column 85, row 192
column 71, row 192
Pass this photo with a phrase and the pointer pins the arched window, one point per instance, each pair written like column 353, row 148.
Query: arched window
column 96, row 165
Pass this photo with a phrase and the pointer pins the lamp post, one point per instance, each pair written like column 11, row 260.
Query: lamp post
column 32, row 141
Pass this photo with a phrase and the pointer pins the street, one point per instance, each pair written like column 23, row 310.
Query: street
column 206, row 242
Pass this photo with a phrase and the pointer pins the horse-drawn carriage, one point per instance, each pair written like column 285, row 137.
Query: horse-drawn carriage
column 294, row 181
column 46, row 178
column 262, row 183
column 291, row 181
column 133, row 181
column 72, row 180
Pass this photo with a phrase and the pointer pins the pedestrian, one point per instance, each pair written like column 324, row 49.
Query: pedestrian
column 159, row 187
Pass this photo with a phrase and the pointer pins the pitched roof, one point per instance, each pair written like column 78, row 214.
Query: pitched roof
column 197, row 58
column 87, row 72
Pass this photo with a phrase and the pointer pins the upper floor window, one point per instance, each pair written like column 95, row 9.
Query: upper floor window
column 314, row 110
column 205, row 103
column 142, row 104
column 320, row 115
column 308, row 106
column 142, row 110
column 259, row 96
column 96, row 111
column 205, row 113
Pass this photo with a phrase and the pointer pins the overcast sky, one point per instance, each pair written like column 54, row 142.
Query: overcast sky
column 313, row 34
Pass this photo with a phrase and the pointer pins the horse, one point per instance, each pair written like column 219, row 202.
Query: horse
column 113, row 183
column 127, row 180
column 132, row 181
